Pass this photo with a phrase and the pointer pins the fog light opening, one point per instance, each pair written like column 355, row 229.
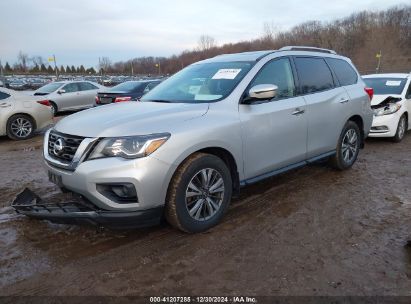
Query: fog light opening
column 121, row 193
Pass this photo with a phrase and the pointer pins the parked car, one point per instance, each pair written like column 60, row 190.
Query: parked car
column 391, row 104
column 21, row 115
column 18, row 85
column 126, row 91
column 1, row 84
column 182, row 152
column 36, row 83
column 69, row 95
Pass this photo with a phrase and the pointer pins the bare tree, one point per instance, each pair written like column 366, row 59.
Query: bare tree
column 37, row 60
column 206, row 43
column 104, row 64
column 22, row 59
column 271, row 31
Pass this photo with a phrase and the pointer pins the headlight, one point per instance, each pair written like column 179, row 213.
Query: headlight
column 129, row 147
column 388, row 109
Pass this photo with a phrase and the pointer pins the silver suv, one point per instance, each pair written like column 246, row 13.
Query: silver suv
column 198, row 137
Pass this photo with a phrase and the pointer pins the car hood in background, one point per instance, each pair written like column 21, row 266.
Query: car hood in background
column 130, row 118
column 377, row 99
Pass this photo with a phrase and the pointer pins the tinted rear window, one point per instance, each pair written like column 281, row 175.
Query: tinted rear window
column 314, row 74
column 346, row 75
column 129, row 86
column 386, row 86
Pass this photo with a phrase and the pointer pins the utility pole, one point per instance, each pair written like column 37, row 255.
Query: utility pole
column 55, row 67
column 132, row 68
column 379, row 55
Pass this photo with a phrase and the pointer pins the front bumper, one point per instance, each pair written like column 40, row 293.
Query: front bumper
column 385, row 125
column 149, row 176
column 81, row 212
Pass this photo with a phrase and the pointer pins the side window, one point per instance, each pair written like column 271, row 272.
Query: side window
column 345, row 73
column 314, row 74
column 87, row 86
column 71, row 87
column 4, row 95
column 279, row 73
column 150, row 86
column 408, row 94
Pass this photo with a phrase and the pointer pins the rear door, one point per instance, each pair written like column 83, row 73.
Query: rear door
column 274, row 131
column 88, row 92
column 327, row 104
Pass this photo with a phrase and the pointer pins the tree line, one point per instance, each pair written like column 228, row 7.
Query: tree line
column 360, row 36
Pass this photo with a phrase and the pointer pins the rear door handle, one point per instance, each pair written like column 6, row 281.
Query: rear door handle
column 5, row 105
column 344, row 100
column 298, row 111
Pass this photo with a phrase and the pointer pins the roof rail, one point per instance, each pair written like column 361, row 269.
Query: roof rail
column 307, row 48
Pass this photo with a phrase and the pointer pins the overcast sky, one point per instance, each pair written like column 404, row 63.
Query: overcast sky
column 79, row 31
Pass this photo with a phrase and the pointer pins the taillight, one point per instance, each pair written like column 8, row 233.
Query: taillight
column 45, row 103
column 370, row 92
column 97, row 99
column 121, row 99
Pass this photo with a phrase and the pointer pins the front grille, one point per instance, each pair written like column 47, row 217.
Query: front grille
column 63, row 146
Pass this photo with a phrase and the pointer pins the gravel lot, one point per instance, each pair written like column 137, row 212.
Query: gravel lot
column 313, row 231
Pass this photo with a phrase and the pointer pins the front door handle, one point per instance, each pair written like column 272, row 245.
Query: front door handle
column 344, row 100
column 298, row 111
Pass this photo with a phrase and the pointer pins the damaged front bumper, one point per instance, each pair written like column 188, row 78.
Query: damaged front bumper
column 79, row 211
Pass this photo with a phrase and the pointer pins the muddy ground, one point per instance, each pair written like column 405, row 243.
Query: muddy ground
column 313, row 231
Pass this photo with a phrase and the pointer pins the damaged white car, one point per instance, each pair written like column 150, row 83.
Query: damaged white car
column 391, row 104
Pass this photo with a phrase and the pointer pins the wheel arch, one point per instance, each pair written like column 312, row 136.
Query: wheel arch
column 25, row 114
column 357, row 119
column 225, row 155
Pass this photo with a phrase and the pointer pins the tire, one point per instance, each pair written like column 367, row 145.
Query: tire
column 401, row 129
column 54, row 108
column 206, row 207
column 348, row 147
column 20, row 127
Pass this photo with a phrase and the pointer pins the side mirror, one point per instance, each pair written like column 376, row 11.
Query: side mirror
column 261, row 92
column 61, row 91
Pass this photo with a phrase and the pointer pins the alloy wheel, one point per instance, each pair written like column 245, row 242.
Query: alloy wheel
column 401, row 128
column 205, row 194
column 21, row 127
column 349, row 145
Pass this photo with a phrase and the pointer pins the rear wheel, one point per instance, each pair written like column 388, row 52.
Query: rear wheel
column 54, row 108
column 348, row 147
column 401, row 129
column 199, row 193
column 20, row 127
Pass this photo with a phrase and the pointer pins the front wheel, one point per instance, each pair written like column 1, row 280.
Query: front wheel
column 199, row 193
column 401, row 129
column 348, row 147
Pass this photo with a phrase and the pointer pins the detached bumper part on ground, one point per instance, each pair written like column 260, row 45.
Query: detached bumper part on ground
column 78, row 211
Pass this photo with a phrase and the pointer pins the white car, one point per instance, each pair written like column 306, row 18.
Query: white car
column 391, row 104
column 22, row 114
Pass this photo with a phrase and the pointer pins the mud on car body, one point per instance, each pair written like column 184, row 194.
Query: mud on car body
column 196, row 138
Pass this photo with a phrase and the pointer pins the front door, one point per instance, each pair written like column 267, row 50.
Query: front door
column 274, row 131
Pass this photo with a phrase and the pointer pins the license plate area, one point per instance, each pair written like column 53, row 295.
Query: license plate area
column 55, row 179
column 105, row 100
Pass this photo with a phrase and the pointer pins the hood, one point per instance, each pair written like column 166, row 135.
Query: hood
column 377, row 99
column 129, row 118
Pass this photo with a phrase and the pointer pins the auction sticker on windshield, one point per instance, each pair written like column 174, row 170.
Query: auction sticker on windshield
column 226, row 74
column 393, row 83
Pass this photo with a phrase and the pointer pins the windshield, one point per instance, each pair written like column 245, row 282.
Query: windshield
column 204, row 82
column 128, row 86
column 386, row 86
column 49, row 88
